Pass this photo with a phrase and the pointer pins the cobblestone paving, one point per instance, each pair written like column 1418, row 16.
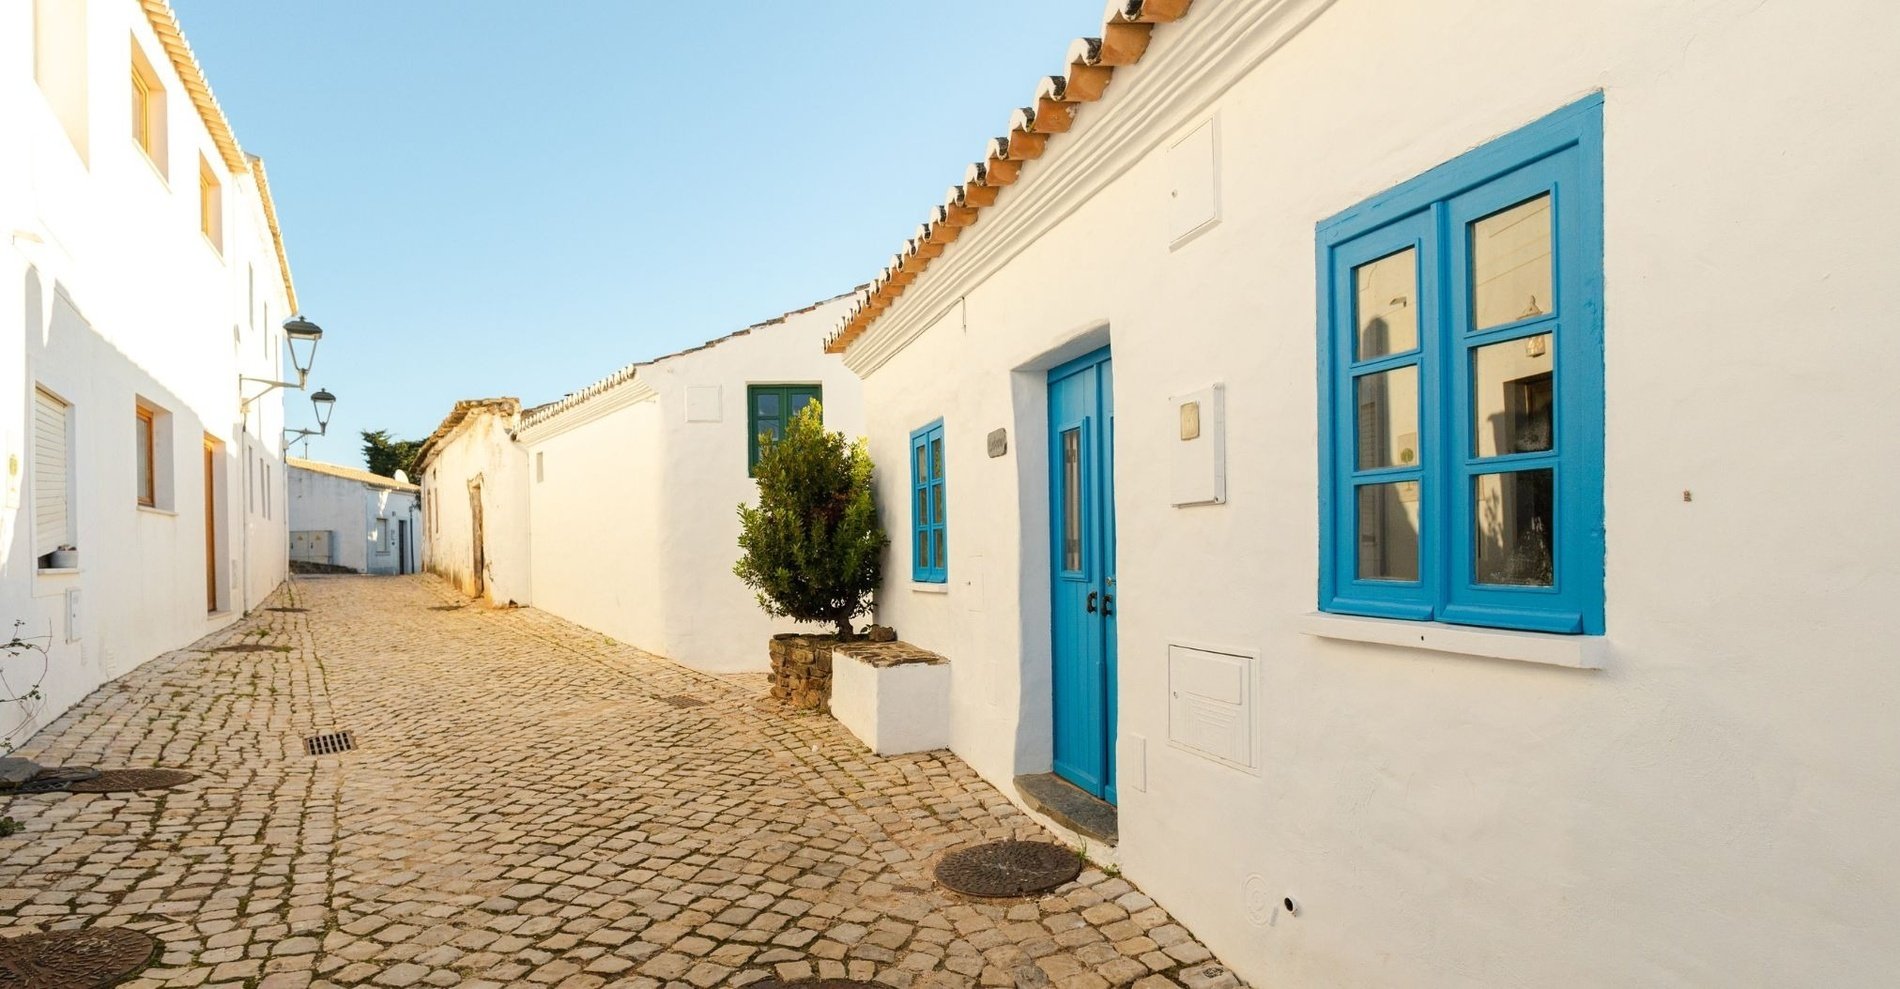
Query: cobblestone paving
column 526, row 807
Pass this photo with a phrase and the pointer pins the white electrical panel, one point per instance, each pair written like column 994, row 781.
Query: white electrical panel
column 1210, row 704
column 72, row 614
column 1193, row 184
column 1197, row 461
column 702, row 403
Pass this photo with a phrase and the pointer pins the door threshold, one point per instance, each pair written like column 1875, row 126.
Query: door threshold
column 1069, row 805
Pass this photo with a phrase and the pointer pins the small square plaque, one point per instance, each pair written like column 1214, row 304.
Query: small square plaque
column 999, row 442
column 1190, row 421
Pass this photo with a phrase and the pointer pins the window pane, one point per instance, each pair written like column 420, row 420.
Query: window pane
column 1385, row 304
column 936, row 457
column 798, row 401
column 142, row 439
column 1514, row 527
column 936, row 503
column 1388, row 531
column 768, row 432
column 765, row 404
column 1072, row 499
column 1510, row 265
column 923, row 469
column 1388, row 418
column 922, row 557
column 936, row 543
column 1511, row 396
column 923, row 508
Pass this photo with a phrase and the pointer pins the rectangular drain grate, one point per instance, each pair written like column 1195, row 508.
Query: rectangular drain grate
column 331, row 744
column 680, row 700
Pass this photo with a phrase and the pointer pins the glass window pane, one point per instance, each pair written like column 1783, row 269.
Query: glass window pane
column 768, row 432
column 1072, row 499
column 936, row 457
column 1388, row 531
column 1514, row 527
column 923, row 508
column 142, row 440
column 1511, row 396
column 922, row 557
column 1385, row 304
column 798, row 401
column 936, row 543
column 1510, row 265
column 1388, row 418
column 765, row 404
column 936, row 504
column 923, row 470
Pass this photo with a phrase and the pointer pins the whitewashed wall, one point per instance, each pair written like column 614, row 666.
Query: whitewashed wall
column 659, row 576
column 110, row 294
column 479, row 447
column 349, row 510
column 1713, row 808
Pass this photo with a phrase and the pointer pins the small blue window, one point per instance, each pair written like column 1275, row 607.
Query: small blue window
column 929, row 549
column 1461, row 356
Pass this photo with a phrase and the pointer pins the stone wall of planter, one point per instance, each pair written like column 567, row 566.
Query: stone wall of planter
column 801, row 670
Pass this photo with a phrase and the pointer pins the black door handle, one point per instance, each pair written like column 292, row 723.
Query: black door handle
column 1091, row 604
column 1108, row 606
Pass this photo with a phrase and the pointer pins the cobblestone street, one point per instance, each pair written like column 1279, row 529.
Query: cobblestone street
column 529, row 803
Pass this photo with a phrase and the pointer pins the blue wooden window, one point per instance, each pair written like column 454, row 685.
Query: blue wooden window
column 769, row 409
column 930, row 551
column 1461, row 388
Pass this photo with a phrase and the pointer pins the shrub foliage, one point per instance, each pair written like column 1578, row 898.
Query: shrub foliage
column 812, row 547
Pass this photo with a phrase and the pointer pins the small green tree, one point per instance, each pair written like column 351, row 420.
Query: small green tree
column 385, row 454
column 812, row 547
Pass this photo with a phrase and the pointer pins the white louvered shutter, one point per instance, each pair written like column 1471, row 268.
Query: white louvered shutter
column 52, row 505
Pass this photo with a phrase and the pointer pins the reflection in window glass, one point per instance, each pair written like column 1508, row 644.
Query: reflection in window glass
column 767, row 404
column 1388, row 418
column 1388, row 531
column 1072, row 499
column 1513, row 527
column 1511, row 396
column 1385, row 305
column 1510, row 265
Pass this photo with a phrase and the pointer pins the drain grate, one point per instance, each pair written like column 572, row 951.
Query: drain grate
column 99, row 956
column 330, row 744
column 251, row 647
column 680, row 700
column 296, row 611
column 1004, row 869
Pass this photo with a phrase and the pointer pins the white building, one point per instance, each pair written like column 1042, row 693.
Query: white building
column 346, row 517
column 474, row 483
column 142, row 273
column 1388, row 453
column 616, row 507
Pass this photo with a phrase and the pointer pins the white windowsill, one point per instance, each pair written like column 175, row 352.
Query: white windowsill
column 153, row 510
column 926, row 587
column 1578, row 652
column 58, row 572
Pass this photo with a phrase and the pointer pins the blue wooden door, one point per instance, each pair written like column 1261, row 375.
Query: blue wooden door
column 1082, row 523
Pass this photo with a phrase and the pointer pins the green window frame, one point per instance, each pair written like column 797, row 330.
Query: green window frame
column 769, row 408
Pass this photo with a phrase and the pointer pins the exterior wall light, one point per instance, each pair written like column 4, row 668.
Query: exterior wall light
column 303, row 336
column 322, row 402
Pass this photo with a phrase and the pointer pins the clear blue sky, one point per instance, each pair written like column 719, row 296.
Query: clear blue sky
column 495, row 198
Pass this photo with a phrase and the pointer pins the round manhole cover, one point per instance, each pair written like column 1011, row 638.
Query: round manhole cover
column 819, row 984
column 1003, row 869
column 122, row 780
column 55, row 779
column 73, row 959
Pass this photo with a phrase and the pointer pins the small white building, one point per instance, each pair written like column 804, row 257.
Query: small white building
column 351, row 518
column 474, row 501
column 142, row 276
column 616, row 507
column 1388, row 457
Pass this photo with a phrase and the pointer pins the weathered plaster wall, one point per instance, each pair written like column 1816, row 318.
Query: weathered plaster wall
column 1706, row 810
column 349, row 510
column 110, row 294
column 480, row 448
column 659, row 575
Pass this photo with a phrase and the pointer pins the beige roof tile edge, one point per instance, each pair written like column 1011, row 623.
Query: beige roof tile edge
column 425, row 454
column 1091, row 63
column 350, row 474
column 164, row 21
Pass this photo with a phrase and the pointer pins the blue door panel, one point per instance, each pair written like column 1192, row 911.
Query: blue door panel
column 1081, row 440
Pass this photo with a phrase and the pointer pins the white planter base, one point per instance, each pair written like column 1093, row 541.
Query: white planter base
column 894, row 697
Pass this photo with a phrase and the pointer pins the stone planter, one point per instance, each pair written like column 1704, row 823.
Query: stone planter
column 801, row 670
column 895, row 697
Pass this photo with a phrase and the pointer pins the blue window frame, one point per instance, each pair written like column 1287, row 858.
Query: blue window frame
column 1461, row 388
column 929, row 546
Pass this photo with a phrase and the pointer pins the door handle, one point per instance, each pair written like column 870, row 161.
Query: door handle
column 1091, row 604
column 1108, row 606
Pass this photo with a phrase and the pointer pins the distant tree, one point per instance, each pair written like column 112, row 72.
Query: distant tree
column 386, row 455
column 812, row 546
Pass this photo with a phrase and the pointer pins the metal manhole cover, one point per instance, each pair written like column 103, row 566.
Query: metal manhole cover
column 297, row 611
column 55, row 779
column 125, row 780
column 1003, row 869
column 330, row 744
column 84, row 959
column 680, row 700
column 819, row 984
column 251, row 647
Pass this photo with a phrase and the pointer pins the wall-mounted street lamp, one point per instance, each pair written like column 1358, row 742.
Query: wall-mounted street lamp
column 303, row 336
column 322, row 401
